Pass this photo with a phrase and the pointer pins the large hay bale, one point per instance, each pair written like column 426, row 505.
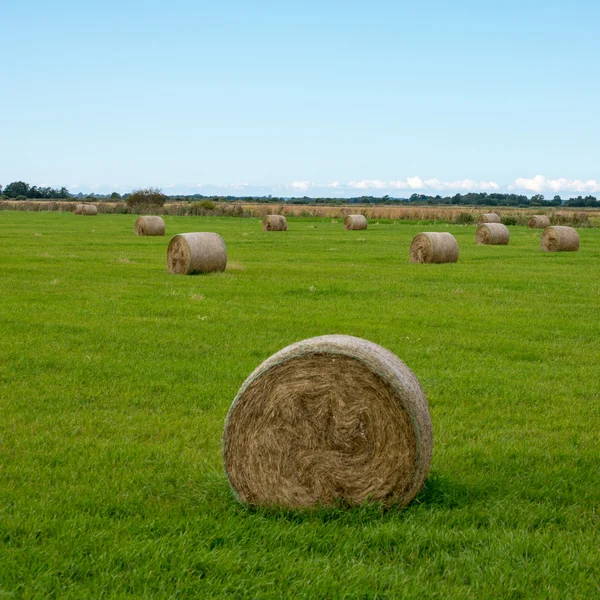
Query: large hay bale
column 488, row 218
column 434, row 247
column 326, row 420
column 148, row 225
column 78, row 209
column 492, row 233
column 355, row 222
column 200, row 252
column 559, row 238
column 274, row 223
column 89, row 209
column 538, row 221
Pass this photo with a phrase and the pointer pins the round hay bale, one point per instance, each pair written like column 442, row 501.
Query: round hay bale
column 326, row 420
column 89, row 209
column 149, row 226
column 492, row 233
column 274, row 223
column 199, row 252
column 538, row 222
column 352, row 222
column 559, row 238
column 434, row 247
column 488, row 218
column 78, row 209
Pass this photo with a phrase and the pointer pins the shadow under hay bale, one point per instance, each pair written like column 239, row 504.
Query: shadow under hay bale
column 488, row 218
column 274, row 223
column 199, row 252
column 495, row 234
column 355, row 222
column 559, row 238
column 434, row 247
column 330, row 419
column 89, row 209
column 538, row 222
column 149, row 225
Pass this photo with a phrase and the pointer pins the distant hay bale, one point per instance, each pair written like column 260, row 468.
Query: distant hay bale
column 488, row 218
column 434, row 247
column 148, row 225
column 355, row 222
column 78, row 209
column 330, row 419
column 538, row 222
column 274, row 223
column 89, row 209
column 492, row 233
column 559, row 238
column 199, row 252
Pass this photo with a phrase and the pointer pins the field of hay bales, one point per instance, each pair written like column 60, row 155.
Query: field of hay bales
column 116, row 376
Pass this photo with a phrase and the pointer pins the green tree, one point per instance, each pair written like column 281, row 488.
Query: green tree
column 17, row 188
column 147, row 197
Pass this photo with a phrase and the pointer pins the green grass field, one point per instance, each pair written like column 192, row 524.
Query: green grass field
column 115, row 378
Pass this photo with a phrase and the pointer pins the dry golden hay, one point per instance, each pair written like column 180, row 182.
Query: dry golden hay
column 434, row 247
column 492, row 233
column 89, row 209
column 538, row 221
column 355, row 222
column 559, row 238
column 488, row 218
column 148, row 225
column 326, row 420
column 199, row 252
column 78, row 209
column 274, row 223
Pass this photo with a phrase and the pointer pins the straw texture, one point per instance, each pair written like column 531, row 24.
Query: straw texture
column 492, row 233
column 89, row 209
column 148, row 225
column 274, row 223
column 326, row 420
column 355, row 222
column 559, row 238
column 199, row 252
column 538, row 222
column 434, row 247
column 78, row 209
column 488, row 218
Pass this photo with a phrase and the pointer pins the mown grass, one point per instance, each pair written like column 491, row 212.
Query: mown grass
column 116, row 377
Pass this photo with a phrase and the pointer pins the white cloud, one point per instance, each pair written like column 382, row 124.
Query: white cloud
column 416, row 183
column 540, row 184
column 301, row 185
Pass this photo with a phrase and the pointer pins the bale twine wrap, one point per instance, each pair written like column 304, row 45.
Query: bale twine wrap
column 434, row 247
column 538, row 221
column 274, row 223
column 199, row 252
column 495, row 234
column 352, row 222
column 559, row 238
column 89, row 209
column 78, row 209
column 488, row 218
column 150, row 226
column 329, row 419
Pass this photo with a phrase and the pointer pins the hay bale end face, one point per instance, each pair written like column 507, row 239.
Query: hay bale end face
column 495, row 234
column 559, row 238
column 199, row 252
column 78, row 209
column 538, row 222
column 326, row 420
column 434, row 247
column 89, row 209
column 352, row 222
column 488, row 218
column 274, row 223
column 150, row 226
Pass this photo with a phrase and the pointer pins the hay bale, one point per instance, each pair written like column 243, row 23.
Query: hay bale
column 326, row 420
column 434, row 247
column 274, row 223
column 199, row 252
column 89, row 209
column 559, row 238
column 149, row 226
column 488, row 218
column 492, row 233
column 78, row 209
column 352, row 222
column 538, row 222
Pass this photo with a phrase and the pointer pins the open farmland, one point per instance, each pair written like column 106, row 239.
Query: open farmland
column 116, row 378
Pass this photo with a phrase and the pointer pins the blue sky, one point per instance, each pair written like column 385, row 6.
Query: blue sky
column 336, row 98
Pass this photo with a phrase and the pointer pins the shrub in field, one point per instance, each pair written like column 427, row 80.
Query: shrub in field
column 208, row 204
column 464, row 218
column 149, row 197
